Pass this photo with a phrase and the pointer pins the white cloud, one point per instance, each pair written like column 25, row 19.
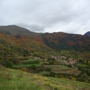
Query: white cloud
column 71, row 16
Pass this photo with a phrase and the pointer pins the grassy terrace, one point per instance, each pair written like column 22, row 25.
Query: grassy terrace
column 18, row 80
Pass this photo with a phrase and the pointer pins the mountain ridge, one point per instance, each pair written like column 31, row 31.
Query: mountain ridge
column 56, row 40
column 9, row 27
column 58, row 54
column 15, row 30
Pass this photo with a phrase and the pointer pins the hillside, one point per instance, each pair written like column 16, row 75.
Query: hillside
column 57, row 41
column 19, row 80
column 64, row 41
column 56, row 55
column 15, row 30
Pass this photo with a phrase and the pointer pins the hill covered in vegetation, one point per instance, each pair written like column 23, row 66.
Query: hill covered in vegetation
column 57, row 41
column 60, row 57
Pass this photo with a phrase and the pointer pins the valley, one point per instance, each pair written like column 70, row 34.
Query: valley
column 43, row 61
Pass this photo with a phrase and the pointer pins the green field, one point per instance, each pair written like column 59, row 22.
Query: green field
column 19, row 80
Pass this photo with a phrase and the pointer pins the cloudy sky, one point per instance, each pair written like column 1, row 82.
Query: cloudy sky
column 72, row 16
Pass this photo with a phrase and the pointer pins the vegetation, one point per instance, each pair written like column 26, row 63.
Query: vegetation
column 56, row 61
column 19, row 80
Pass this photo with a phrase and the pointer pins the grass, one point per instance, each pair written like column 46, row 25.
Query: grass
column 58, row 66
column 62, row 69
column 19, row 80
column 26, row 65
column 73, row 84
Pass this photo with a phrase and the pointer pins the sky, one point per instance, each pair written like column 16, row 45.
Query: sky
column 71, row 16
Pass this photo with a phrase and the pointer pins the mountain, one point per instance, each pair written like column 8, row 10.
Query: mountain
column 15, row 30
column 88, row 33
column 64, row 41
column 56, row 41
column 60, row 54
column 19, row 42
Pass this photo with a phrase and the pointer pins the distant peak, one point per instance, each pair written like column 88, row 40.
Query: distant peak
column 12, row 25
column 88, row 33
column 15, row 30
column 9, row 26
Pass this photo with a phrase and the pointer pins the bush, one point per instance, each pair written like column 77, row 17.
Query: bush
column 6, row 63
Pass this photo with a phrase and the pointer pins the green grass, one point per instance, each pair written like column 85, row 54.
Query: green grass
column 58, row 66
column 19, row 80
column 26, row 65
column 73, row 84
column 62, row 69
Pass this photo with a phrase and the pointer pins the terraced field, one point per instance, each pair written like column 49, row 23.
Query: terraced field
column 19, row 80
